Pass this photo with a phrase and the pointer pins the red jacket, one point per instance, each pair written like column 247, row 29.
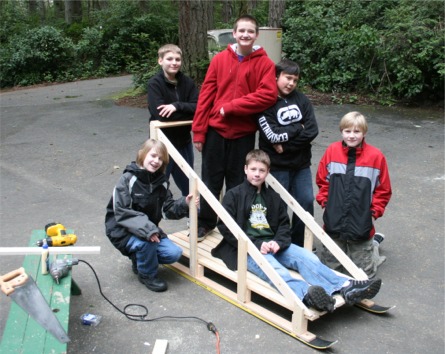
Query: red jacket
column 243, row 89
column 354, row 187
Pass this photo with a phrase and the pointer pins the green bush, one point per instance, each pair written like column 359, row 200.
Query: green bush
column 388, row 48
column 42, row 55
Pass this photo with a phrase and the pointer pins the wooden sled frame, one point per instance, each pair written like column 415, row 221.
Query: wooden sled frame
column 246, row 283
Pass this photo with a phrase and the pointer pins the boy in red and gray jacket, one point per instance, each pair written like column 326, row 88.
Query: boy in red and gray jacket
column 354, row 189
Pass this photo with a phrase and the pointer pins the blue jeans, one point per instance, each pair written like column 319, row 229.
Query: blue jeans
column 306, row 263
column 179, row 177
column 150, row 254
column 299, row 185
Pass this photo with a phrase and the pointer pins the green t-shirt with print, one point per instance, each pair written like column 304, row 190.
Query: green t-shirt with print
column 258, row 226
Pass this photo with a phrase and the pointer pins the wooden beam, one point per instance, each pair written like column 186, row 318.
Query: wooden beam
column 14, row 251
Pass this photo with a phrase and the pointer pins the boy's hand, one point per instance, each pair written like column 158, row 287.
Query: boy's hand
column 189, row 198
column 166, row 110
column 269, row 247
column 278, row 148
column 198, row 146
column 154, row 238
column 274, row 247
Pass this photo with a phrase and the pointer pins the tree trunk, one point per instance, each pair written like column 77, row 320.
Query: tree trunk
column 193, row 18
column 227, row 11
column 276, row 12
column 73, row 11
column 59, row 9
column 32, row 7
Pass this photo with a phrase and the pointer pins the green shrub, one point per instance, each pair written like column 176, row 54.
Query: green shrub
column 43, row 53
column 388, row 48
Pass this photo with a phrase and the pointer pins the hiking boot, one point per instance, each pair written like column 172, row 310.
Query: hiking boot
column 358, row 290
column 317, row 298
column 379, row 238
column 134, row 265
column 153, row 283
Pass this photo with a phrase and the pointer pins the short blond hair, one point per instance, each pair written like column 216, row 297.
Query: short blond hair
column 169, row 48
column 354, row 119
column 159, row 147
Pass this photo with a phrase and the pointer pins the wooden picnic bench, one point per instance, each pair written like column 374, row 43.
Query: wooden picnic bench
column 24, row 335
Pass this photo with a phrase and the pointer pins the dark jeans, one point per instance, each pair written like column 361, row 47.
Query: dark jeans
column 299, row 185
column 222, row 160
column 179, row 177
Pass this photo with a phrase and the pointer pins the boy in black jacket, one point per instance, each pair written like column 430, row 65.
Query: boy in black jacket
column 262, row 215
column 173, row 96
column 287, row 130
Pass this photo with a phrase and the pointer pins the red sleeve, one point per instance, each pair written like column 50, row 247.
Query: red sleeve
column 382, row 193
column 205, row 103
column 322, row 181
column 264, row 96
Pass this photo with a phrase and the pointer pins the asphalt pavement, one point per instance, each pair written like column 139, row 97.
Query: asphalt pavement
column 63, row 147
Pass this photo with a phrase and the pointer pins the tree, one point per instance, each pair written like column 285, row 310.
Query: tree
column 193, row 21
column 73, row 11
column 276, row 12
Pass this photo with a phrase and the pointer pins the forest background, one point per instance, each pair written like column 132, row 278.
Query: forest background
column 391, row 51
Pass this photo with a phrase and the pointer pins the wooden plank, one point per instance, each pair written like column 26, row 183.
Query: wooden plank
column 17, row 251
column 160, row 346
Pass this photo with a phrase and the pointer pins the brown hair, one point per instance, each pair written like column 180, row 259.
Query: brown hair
column 259, row 156
column 169, row 48
column 159, row 147
column 248, row 18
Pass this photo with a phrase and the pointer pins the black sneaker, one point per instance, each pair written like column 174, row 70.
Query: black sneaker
column 153, row 283
column 379, row 238
column 358, row 290
column 317, row 298
column 134, row 265
column 203, row 232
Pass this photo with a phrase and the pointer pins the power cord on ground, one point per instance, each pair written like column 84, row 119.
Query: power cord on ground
column 142, row 317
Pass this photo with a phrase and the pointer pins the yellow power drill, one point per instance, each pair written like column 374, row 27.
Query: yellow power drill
column 57, row 236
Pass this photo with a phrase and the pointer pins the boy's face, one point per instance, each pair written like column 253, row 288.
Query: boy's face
column 245, row 34
column 170, row 63
column 352, row 136
column 286, row 83
column 152, row 161
column 256, row 173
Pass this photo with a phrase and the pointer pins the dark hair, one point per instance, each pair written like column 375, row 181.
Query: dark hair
column 287, row 66
column 248, row 18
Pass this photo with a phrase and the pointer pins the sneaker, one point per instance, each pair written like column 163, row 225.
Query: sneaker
column 134, row 265
column 203, row 232
column 379, row 238
column 153, row 283
column 358, row 290
column 317, row 298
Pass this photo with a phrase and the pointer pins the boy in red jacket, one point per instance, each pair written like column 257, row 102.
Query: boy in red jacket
column 354, row 189
column 239, row 84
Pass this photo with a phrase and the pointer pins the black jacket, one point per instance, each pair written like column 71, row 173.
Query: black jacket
column 238, row 202
column 291, row 123
column 140, row 200
column 184, row 96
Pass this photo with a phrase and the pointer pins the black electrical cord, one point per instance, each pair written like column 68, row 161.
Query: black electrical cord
column 142, row 318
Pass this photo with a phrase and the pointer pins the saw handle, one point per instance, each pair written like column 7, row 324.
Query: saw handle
column 13, row 279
